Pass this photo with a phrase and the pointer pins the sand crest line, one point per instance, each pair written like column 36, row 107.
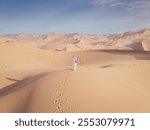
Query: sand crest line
column 20, row 84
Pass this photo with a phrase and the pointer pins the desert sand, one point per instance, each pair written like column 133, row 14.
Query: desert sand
column 113, row 73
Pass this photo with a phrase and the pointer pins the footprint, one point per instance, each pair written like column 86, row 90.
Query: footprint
column 60, row 92
column 59, row 95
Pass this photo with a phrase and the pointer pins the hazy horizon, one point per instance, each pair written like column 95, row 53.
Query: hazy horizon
column 100, row 34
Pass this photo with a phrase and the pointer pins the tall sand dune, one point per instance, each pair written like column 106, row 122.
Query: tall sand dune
column 36, row 80
column 113, row 72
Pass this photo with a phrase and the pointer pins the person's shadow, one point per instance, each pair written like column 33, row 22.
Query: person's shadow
column 69, row 69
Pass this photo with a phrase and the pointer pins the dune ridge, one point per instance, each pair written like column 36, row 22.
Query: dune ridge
column 133, row 40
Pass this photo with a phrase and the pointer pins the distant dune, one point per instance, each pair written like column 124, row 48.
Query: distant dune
column 113, row 73
column 136, row 40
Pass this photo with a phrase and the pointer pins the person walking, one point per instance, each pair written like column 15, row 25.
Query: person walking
column 74, row 63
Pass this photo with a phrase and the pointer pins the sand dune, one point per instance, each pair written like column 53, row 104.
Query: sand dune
column 106, row 81
column 71, row 91
column 113, row 73
column 133, row 40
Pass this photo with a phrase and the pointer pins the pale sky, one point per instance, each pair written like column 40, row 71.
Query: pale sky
column 73, row 16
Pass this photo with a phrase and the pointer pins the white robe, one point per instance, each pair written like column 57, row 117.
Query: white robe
column 74, row 63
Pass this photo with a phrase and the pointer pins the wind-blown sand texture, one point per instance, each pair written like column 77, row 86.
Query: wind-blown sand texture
column 39, row 78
